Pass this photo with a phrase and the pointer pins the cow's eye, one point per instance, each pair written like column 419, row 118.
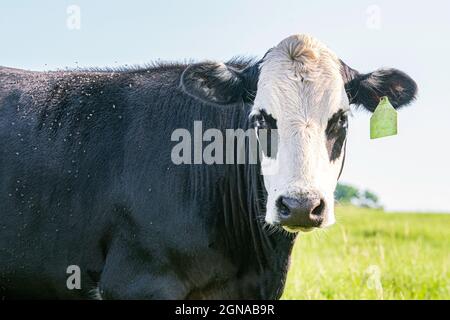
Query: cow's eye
column 343, row 120
column 338, row 123
column 266, row 132
column 336, row 133
column 263, row 120
column 260, row 121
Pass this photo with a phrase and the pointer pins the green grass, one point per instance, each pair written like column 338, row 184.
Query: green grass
column 370, row 254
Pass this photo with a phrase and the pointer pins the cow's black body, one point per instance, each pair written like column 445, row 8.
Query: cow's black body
column 86, row 179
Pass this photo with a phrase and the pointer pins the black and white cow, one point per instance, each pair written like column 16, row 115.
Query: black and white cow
column 87, row 179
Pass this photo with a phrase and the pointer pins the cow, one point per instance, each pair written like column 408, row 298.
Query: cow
column 89, row 188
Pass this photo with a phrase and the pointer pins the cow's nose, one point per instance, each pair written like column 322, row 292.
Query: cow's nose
column 301, row 212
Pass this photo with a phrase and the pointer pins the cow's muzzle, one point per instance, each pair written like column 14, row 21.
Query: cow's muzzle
column 301, row 212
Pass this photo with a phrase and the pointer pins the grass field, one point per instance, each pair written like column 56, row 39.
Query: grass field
column 370, row 254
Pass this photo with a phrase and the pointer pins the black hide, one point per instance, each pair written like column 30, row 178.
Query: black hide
column 86, row 179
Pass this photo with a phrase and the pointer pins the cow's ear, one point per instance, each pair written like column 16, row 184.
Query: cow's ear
column 219, row 83
column 367, row 89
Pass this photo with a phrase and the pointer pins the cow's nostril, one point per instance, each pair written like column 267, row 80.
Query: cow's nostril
column 283, row 209
column 318, row 211
column 301, row 212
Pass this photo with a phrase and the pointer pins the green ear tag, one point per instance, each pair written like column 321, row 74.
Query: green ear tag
column 383, row 122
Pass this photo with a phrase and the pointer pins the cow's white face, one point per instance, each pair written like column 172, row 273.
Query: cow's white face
column 302, row 93
column 301, row 89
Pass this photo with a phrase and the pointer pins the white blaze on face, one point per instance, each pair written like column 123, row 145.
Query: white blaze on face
column 301, row 87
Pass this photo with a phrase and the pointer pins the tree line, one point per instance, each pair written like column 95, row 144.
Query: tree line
column 348, row 194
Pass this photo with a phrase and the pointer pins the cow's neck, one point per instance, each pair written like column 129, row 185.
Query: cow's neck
column 258, row 248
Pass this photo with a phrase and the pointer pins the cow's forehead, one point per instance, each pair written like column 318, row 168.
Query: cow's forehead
column 300, row 73
column 304, row 56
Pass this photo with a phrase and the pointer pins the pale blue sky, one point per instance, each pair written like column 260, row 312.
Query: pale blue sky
column 410, row 171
